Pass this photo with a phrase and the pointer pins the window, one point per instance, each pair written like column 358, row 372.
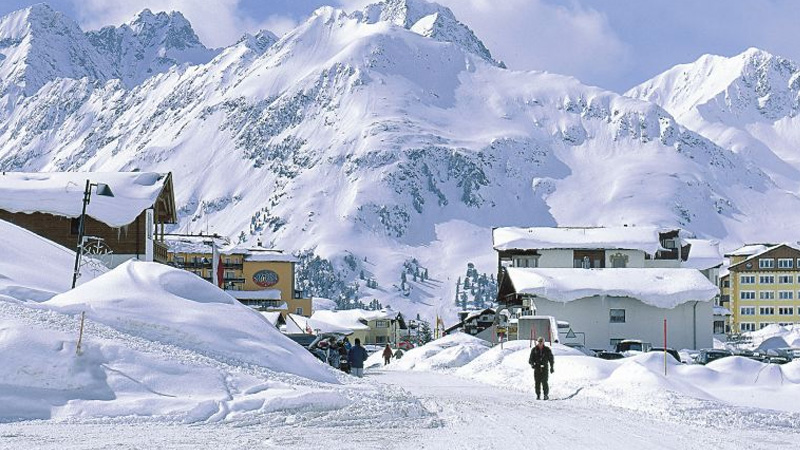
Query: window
column 526, row 261
column 227, row 261
column 748, row 279
column 766, row 310
column 617, row 316
column 747, row 326
column 179, row 259
column 747, row 295
column 381, row 339
column 766, row 279
column 786, row 311
column 719, row 327
column 785, row 295
column 726, row 283
column 785, row 279
column 74, row 225
column 381, row 324
column 766, row 295
column 764, row 324
column 299, row 311
column 785, row 263
column 229, row 274
column 766, row 263
column 618, row 260
column 747, row 311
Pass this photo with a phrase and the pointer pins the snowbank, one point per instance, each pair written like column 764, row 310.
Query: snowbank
column 449, row 352
column 789, row 333
column 32, row 267
column 637, row 382
column 644, row 238
column 173, row 306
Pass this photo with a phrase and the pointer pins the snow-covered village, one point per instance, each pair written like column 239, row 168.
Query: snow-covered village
column 397, row 224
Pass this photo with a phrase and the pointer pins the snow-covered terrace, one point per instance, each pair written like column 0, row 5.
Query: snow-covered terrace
column 644, row 238
column 703, row 254
column 662, row 288
column 61, row 194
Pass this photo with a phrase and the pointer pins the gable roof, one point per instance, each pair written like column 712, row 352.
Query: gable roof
column 645, row 238
column 662, row 288
column 61, row 194
column 762, row 253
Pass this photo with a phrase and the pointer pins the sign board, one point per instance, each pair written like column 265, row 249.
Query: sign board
column 571, row 334
column 265, row 278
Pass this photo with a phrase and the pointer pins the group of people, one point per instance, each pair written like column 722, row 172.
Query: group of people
column 388, row 354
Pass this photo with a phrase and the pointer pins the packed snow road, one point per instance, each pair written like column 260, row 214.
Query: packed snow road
column 463, row 415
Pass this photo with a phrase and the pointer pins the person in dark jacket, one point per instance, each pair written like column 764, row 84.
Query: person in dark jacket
column 541, row 357
column 387, row 355
column 356, row 356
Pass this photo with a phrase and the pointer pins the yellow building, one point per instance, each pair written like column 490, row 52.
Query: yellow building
column 256, row 276
column 763, row 286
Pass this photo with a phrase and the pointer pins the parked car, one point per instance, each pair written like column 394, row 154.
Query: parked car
column 582, row 348
column 632, row 345
column 405, row 345
column 710, row 354
column 610, row 355
column 674, row 353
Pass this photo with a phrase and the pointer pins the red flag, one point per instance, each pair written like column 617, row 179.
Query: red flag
column 220, row 272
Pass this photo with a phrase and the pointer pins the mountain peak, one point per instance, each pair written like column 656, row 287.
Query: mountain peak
column 150, row 43
column 428, row 19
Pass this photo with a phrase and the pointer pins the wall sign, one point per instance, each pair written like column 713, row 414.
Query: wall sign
column 265, row 278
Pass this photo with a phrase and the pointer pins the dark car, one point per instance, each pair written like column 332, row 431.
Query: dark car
column 674, row 353
column 610, row 355
column 709, row 354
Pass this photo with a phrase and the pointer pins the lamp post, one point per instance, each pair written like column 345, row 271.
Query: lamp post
column 105, row 191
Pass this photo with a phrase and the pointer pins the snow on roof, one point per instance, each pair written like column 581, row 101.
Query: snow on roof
column 477, row 313
column 352, row 318
column 703, row 254
column 61, row 194
column 263, row 294
column 644, row 238
column 721, row 311
column 297, row 324
column 749, row 250
column 758, row 254
column 272, row 316
column 259, row 255
column 662, row 288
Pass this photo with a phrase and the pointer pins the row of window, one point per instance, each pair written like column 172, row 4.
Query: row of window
column 767, row 310
column 768, row 295
column 783, row 263
column 767, row 279
column 751, row 326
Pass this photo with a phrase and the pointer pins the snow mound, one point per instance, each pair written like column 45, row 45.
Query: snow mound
column 449, row 352
column 33, row 268
column 173, row 306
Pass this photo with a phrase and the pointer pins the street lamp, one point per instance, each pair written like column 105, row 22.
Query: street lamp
column 105, row 191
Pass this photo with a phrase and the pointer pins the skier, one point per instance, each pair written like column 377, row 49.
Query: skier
column 387, row 355
column 541, row 356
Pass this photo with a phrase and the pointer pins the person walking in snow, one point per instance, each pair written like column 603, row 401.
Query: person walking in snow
column 356, row 356
column 541, row 357
column 387, row 355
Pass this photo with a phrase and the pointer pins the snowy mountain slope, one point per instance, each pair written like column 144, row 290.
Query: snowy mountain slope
column 39, row 44
column 372, row 145
column 150, row 44
column 748, row 103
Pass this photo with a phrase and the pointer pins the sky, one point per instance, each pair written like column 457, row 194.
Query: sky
column 614, row 44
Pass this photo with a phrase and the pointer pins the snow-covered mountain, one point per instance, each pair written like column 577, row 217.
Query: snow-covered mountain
column 748, row 103
column 150, row 44
column 388, row 135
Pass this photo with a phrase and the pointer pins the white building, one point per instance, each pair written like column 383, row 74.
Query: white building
column 612, row 284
